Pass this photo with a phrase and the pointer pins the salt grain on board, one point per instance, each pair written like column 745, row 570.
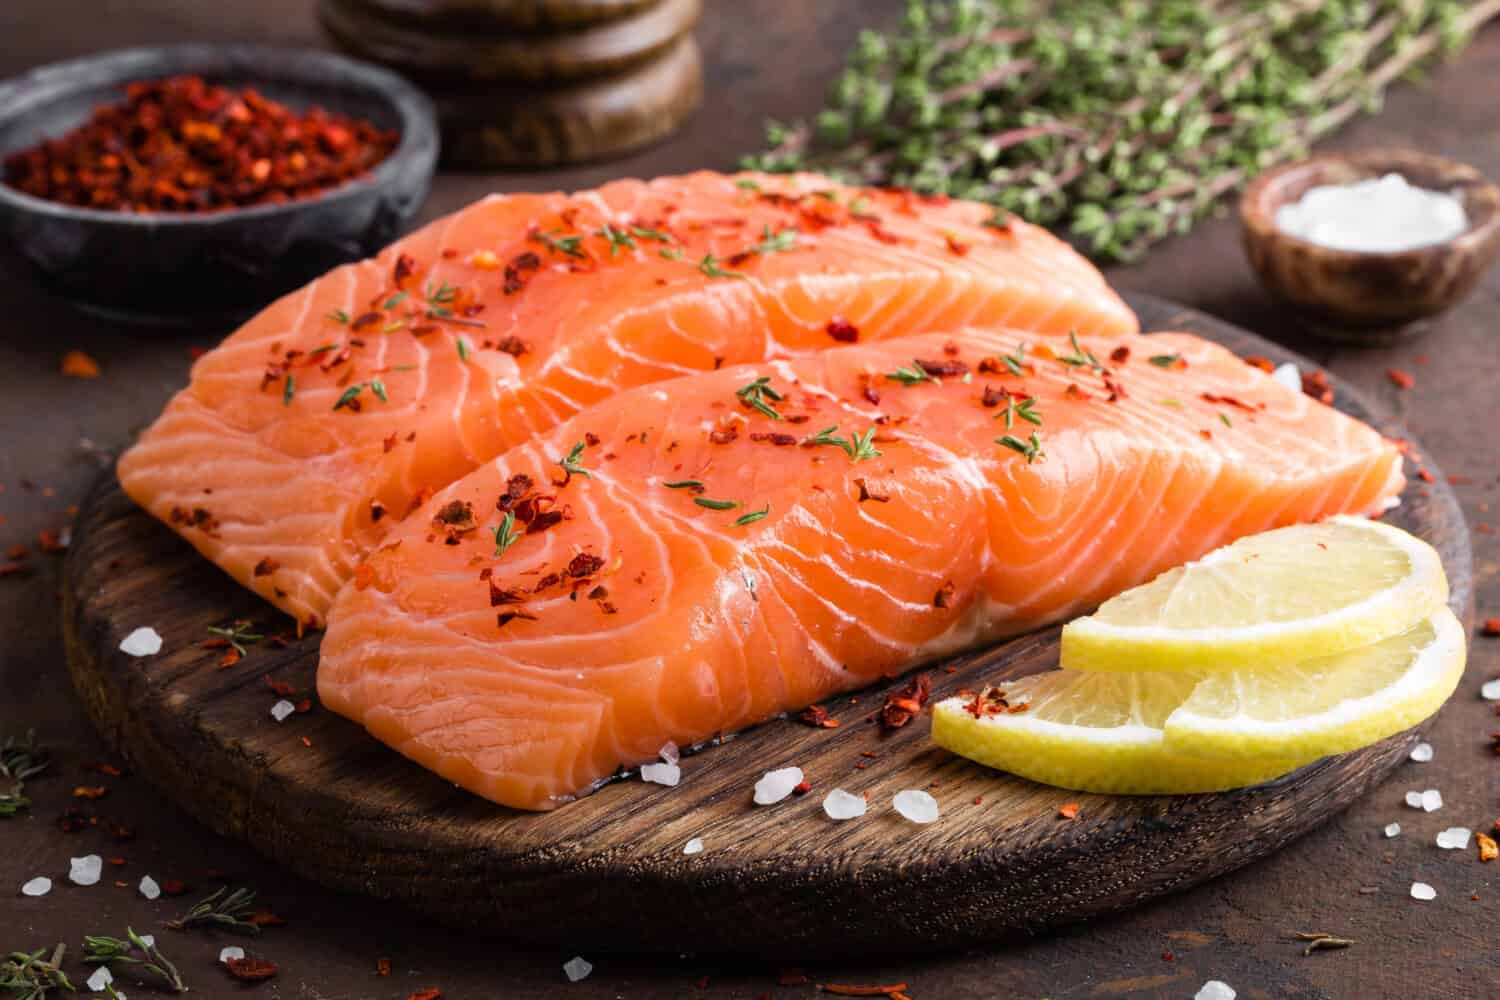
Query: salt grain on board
column 101, row 978
column 282, row 709
column 143, row 641
column 1414, row 799
column 1421, row 753
column 149, row 888
column 916, row 805
column 39, row 886
column 1393, row 829
column 1215, row 989
column 777, row 785
column 839, row 804
column 694, row 846
column 670, row 752
column 1455, row 838
column 661, row 774
column 85, row 870
column 1423, row 891
column 576, row 969
column 1432, row 800
column 1289, row 376
column 1491, row 690
column 233, row 951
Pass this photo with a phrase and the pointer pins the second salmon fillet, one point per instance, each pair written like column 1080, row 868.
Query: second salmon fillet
column 693, row 557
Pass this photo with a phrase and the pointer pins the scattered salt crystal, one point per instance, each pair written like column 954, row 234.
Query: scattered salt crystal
column 101, row 978
column 1393, row 829
column 1289, row 376
column 1491, row 690
column 916, row 805
column 1421, row 753
column 661, row 774
column 576, row 969
column 1432, row 800
column 149, row 888
column 1215, row 990
column 777, row 785
column 232, row 951
column 1455, row 838
column 670, row 753
column 143, row 641
column 39, row 886
column 694, row 846
column 85, row 870
column 839, row 804
column 282, row 709
column 1414, row 799
column 1423, row 891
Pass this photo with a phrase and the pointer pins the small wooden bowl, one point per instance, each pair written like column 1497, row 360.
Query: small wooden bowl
column 1357, row 295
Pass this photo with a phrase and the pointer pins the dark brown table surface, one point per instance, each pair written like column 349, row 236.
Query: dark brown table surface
column 766, row 58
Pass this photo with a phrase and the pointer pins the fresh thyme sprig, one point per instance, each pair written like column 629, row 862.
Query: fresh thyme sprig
column 710, row 266
column 568, row 246
column 756, row 394
column 32, row 974
column 239, row 634
column 1030, row 448
column 913, row 375
column 857, row 446
column 1025, row 409
column 1123, row 123
column 1080, row 358
column 775, row 243
column 20, row 761
column 506, row 534
column 617, row 238
column 570, row 464
column 224, row 908
column 103, row 950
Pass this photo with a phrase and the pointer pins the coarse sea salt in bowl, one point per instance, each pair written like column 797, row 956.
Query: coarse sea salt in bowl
column 1429, row 230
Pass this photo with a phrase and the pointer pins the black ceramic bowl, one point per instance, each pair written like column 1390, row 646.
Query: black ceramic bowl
column 211, row 267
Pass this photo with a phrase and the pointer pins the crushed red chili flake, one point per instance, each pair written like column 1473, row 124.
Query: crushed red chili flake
column 1316, row 385
column 817, row 716
column 1492, row 627
column 184, row 145
column 584, row 564
column 803, row 787
column 1425, row 476
column 382, row 967
column 266, row 567
column 251, row 969
column 52, row 543
column 1167, row 956
column 938, row 369
column 865, row 493
column 1120, row 355
column 843, row 331
column 944, row 597
column 107, row 769
column 265, row 918
column 845, row 990
column 519, row 271
column 956, row 245
column 77, row 364
column 90, row 792
column 280, row 688
column 430, row 993
column 904, row 704
column 1069, row 810
column 506, row 617
column 1264, row 364
column 1400, row 379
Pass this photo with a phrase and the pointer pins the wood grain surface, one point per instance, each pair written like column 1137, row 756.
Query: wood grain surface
column 607, row 872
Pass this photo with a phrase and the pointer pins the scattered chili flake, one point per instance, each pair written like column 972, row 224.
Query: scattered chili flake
column 865, row 493
column 956, row 245
column 512, row 345
column 1400, row 379
column 1316, row 385
column 584, row 564
column 251, row 969
column 266, row 567
column 944, row 597
column 265, row 918
column 90, row 792
column 801, row 788
column 77, row 364
column 1488, row 849
column 1068, row 810
column 430, row 993
column 904, row 704
column 817, row 716
column 936, row 369
column 382, row 967
column 1492, row 627
column 1120, row 355
column 844, row 990
column 841, row 330
column 504, row 618
column 1167, row 956
column 51, row 542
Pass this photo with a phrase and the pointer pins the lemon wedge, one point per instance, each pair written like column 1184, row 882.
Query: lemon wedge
column 1274, row 598
column 1172, row 732
column 1326, row 705
column 1094, row 733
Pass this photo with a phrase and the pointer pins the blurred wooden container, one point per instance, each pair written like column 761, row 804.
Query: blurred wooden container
column 535, row 82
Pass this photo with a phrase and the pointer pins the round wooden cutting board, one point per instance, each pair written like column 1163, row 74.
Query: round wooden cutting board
column 608, row 871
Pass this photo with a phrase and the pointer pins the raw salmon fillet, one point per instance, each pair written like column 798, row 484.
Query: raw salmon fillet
column 712, row 566
column 325, row 419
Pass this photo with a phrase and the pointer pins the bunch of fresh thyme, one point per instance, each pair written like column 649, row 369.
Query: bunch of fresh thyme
column 133, row 950
column 1121, row 122
column 30, row 975
column 20, row 760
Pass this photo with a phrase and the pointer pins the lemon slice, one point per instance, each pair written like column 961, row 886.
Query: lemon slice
column 1274, row 598
column 1095, row 732
column 1326, row 705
